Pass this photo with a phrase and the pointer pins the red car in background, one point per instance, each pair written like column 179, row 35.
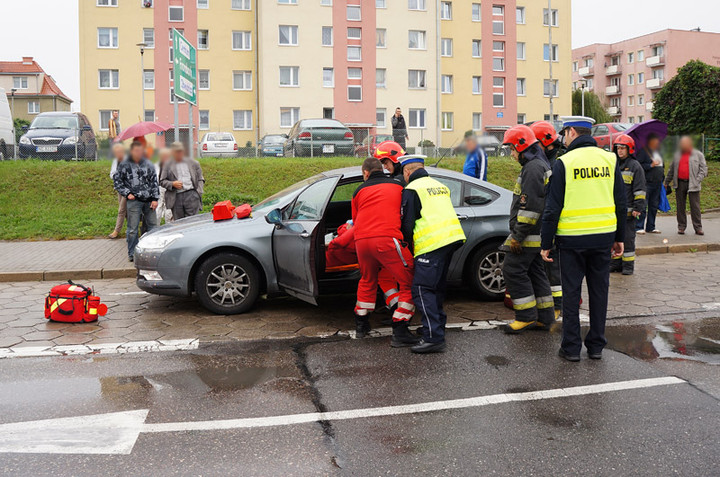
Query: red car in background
column 370, row 143
column 605, row 133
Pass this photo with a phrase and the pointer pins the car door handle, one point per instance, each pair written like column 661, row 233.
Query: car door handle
column 462, row 217
column 304, row 234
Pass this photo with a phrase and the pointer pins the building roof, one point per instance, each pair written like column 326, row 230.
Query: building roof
column 29, row 66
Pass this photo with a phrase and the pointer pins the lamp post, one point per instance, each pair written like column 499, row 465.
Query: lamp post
column 142, row 75
column 582, row 95
column 12, row 113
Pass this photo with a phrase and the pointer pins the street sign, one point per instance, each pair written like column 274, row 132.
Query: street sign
column 500, row 114
column 184, row 68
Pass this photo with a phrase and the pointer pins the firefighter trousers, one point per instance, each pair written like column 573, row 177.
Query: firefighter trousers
column 630, row 236
column 529, row 287
column 381, row 252
column 552, row 270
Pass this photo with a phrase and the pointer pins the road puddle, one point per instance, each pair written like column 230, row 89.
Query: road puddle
column 680, row 340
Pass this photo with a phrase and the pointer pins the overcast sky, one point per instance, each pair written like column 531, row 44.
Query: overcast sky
column 47, row 29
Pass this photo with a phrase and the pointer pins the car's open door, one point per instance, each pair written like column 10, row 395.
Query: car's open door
column 296, row 242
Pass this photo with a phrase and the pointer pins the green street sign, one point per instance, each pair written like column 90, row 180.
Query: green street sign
column 184, row 68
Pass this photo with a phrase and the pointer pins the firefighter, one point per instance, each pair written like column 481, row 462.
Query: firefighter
column 523, row 267
column 388, row 153
column 431, row 227
column 376, row 215
column 584, row 205
column 551, row 144
column 634, row 178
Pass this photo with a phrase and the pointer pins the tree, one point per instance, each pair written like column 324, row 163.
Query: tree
column 593, row 106
column 689, row 103
column 19, row 124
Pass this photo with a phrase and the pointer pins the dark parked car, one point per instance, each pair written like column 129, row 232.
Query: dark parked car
column 490, row 144
column 281, row 248
column 605, row 133
column 273, row 145
column 59, row 135
column 322, row 136
column 370, row 143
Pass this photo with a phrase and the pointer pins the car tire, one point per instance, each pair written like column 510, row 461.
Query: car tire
column 485, row 272
column 234, row 277
column 3, row 151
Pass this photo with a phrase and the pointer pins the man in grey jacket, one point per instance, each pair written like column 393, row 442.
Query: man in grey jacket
column 686, row 175
column 184, row 182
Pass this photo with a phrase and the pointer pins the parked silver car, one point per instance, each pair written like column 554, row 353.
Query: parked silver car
column 218, row 144
column 281, row 248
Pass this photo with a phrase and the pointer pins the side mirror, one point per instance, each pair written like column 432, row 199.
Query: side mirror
column 25, row 128
column 87, row 127
column 274, row 217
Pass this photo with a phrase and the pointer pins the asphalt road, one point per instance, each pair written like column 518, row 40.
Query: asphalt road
column 251, row 409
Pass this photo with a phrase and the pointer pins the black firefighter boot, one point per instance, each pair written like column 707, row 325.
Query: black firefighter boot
column 616, row 265
column 402, row 337
column 628, row 267
column 362, row 326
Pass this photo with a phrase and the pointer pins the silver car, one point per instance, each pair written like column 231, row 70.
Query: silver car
column 281, row 248
column 218, row 144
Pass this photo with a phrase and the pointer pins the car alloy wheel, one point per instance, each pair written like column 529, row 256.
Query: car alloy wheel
column 228, row 284
column 490, row 272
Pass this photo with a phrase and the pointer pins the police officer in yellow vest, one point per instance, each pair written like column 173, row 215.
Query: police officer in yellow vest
column 584, row 217
column 431, row 227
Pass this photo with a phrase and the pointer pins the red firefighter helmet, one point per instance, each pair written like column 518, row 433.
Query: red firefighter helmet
column 521, row 137
column 389, row 150
column 544, row 132
column 625, row 140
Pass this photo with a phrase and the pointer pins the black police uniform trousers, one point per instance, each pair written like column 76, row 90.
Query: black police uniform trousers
column 552, row 270
column 593, row 264
column 528, row 286
column 428, row 290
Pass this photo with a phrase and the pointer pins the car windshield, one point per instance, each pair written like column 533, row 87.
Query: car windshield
column 321, row 123
column 274, row 140
column 219, row 137
column 488, row 141
column 622, row 126
column 281, row 197
column 54, row 122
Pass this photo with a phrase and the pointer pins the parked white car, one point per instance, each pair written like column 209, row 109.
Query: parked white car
column 7, row 134
column 218, row 144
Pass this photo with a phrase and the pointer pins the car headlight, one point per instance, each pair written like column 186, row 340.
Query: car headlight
column 157, row 242
column 151, row 275
column 25, row 140
column 71, row 140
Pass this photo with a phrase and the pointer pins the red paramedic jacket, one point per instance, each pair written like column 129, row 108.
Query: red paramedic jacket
column 376, row 208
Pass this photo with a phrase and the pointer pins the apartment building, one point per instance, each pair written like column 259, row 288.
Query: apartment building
column 628, row 74
column 30, row 90
column 451, row 66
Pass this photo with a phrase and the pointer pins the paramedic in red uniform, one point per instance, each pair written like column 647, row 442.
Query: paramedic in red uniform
column 378, row 241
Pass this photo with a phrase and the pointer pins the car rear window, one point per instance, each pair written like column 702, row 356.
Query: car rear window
column 274, row 140
column 322, row 123
column 219, row 137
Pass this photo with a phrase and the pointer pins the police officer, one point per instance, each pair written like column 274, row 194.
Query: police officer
column 431, row 226
column 634, row 178
column 523, row 267
column 552, row 145
column 584, row 214
column 389, row 152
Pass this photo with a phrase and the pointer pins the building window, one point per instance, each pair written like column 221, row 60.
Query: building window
column 416, row 79
column 289, row 116
column 477, row 49
column 521, row 50
column 574, row 66
column 477, row 84
column 446, row 47
column 447, row 84
column 328, row 78
column 242, row 80
column 417, row 118
column 498, row 99
column 641, row 99
column 446, row 121
column 589, row 62
column 446, row 10
column 520, row 15
column 204, row 115
column 203, row 79
column 105, row 115
column 203, row 4
column 476, row 12
column 327, row 36
column 176, row 14
column 149, row 79
column 288, row 2
column 108, row 79
column 241, row 40
column 499, row 46
column 203, row 40
column 550, row 86
column 354, row 33
column 416, row 40
column 242, row 120
column 354, row 13
column 550, row 17
column 149, row 37
column 631, row 100
column 641, row 78
column 381, row 38
column 33, row 107
column 380, row 3
column 521, row 91
column 149, row 115
column 546, row 52
column 498, row 64
column 20, row 82
column 521, row 118
column 498, row 27
column 355, row 73
column 657, row 50
column 107, row 3
column 498, row 10
column 631, row 120
column 631, row 80
column 290, row 76
column 631, row 57
column 641, row 55
column 107, row 37
column 242, row 4
column 328, row 113
column 477, row 121
column 658, row 74
column 380, row 79
column 288, row 35
column 417, row 5
column 354, row 53
column 641, row 119
column 354, row 93
column 381, row 117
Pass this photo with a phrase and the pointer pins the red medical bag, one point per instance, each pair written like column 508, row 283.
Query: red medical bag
column 223, row 210
column 73, row 303
column 243, row 211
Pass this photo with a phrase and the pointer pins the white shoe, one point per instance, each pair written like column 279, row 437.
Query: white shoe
column 641, row 232
column 656, row 231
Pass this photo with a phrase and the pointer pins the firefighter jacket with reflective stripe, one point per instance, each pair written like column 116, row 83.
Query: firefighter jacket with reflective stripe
column 529, row 198
column 429, row 213
column 376, row 208
column 634, row 179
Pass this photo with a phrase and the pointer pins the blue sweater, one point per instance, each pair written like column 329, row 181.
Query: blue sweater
column 476, row 164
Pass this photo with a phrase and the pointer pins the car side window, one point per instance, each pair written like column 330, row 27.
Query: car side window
column 310, row 204
column 344, row 192
column 476, row 195
column 455, row 187
column 602, row 130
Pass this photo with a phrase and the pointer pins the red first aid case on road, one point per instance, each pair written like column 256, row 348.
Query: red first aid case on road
column 73, row 303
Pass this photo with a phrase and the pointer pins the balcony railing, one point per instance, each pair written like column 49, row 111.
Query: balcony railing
column 612, row 90
column 613, row 70
column 614, row 110
column 657, row 60
column 655, row 83
column 586, row 71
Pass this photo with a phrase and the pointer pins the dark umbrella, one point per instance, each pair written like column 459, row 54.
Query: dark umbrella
column 640, row 132
column 142, row 128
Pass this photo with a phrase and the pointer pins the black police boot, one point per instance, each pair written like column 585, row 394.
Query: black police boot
column 628, row 268
column 424, row 348
column 402, row 337
column 616, row 265
column 362, row 326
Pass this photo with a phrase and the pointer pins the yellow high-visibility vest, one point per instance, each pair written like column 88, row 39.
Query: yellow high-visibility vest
column 589, row 206
column 438, row 224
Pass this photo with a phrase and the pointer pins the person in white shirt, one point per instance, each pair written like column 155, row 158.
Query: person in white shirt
column 118, row 152
column 162, row 211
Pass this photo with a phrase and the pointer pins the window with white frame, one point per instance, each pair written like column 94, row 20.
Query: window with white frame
column 354, row 92
column 380, row 3
column 574, row 66
column 289, row 116
column 589, row 62
column 631, row 80
column 550, row 86
column 204, row 115
column 417, row 4
column 476, row 12
column 107, row 37
column 447, row 84
column 326, row 3
column 354, row 33
column 520, row 15
column 354, row 73
column 550, row 17
column 327, row 36
column 203, row 4
column 641, row 119
column 446, row 121
column 354, row 53
column 203, row 39
column 328, row 78
column 498, row 46
column 658, row 74
column 149, row 37
column 105, row 115
column 416, row 40
column 176, row 13
column 108, row 79
column 477, row 121
column 641, row 99
column 631, row 101
column 381, row 38
column 381, row 117
column 416, row 79
column 149, row 115
column 446, row 47
column 631, row 57
column 242, row 80
column 241, row 4
column 107, row 3
column 631, row 119
column 521, row 118
column 149, row 79
column 521, row 90
column 290, row 76
column 446, row 10
column 641, row 78
column 20, row 82
column 203, row 79
column 520, row 50
column 477, row 84
column 242, row 119
column 498, row 27
column 641, row 55
column 380, row 78
column 546, row 52
column 498, row 92
column 498, row 64
column 477, row 48
column 657, row 50
column 287, row 2
column 33, row 107
column 354, row 13
column 288, row 35
column 241, row 40
column 498, row 10
column 416, row 118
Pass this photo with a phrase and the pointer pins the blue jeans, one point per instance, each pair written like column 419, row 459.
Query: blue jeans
column 137, row 210
column 651, row 210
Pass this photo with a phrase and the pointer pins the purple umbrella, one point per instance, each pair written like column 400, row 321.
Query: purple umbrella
column 640, row 132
